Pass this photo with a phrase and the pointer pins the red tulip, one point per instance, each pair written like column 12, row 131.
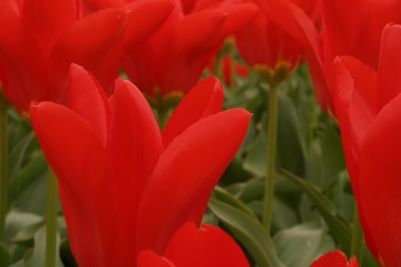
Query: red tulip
column 335, row 259
column 348, row 28
column 268, row 49
column 40, row 38
column 189, row 246
column 143, row 19
column 172, row 61
column 125, row 186
column 368, row 107
column 228, row 66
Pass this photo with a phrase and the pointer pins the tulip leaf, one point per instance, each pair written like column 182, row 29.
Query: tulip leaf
column 249, row 232
column 18, row 153
column 338, row 226
column 26, row 235
column 39, row 251
column 29, row 173
column 5, row 257
column 300, row 245
column 224, row 196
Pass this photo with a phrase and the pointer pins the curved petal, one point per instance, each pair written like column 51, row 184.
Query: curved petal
column 389, row 77
column 134, row 147
column 23, row 72
column 380, row 182
column 144, row 18
column 209, row 246
column 94, row 42
column 148, row 258
column 192, row 42
column 48, row 20
column 186, row 174
column 205, row 99
column 87, row 192
column 87, row 98
column 335, row 259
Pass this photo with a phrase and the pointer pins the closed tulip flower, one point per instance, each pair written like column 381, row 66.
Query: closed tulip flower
column 125, row 186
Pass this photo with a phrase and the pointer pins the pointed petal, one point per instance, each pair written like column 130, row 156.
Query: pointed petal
column 86, row 188
column 148, row 258
column 87, row 98
column 379, row 187
column 185, row 176
column 134, row 148
column 144, row 18
column 22, row 72
column 205, row 99
column 48, row 20
column 209, row 246
column 192, row 43
column 389, row 77
column 335, row 259
column 94, row 42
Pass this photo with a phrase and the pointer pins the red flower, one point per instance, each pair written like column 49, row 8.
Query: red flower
column 228, row 68
column 40, row 38
column 348, row 28
column 335, row 259
column 173, row 59
column 368, row 107
column 268, row 49
column 189, row 246
column 124, row 186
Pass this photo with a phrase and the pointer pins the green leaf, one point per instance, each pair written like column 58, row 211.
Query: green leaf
column 224, row 196
column 18, row 154
column 300, row 245
column 39, row 251
column 27, row 175
column 249, row 232
column 338, row 227
column 26, row 235
column 5, row 257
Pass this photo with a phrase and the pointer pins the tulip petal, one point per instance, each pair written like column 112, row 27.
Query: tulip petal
column 83, row 171
column 23, row 73
column 389, row 77
column 144, row 18
column 193, row 163
column 209, row 246
column 148, row 258
column 192, row 42
column 48, row 20
column 90, row 42
column 205, row 99
column 335, row 259
column 379, row 182
column 135, row 145
column 87, row 98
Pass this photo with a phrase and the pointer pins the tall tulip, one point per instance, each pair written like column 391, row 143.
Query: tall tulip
column 169, row 64
column 368, row 104
column 348, row 28
column 40, row 38
column 272, row 52
column 125, row 186
column 190, row 246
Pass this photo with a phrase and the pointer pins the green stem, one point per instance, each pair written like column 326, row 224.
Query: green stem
column 162, row 118
column 357, row 237
column 3, row 168
column 271, row 157
column 51, row 219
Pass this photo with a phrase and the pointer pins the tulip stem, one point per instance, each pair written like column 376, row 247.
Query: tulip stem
column 3, row 167
column 357, row 237
column 162, row 118
column 51, row 219
column 271, row 158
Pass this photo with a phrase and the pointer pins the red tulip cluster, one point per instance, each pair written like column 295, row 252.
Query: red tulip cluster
column 135, row 186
